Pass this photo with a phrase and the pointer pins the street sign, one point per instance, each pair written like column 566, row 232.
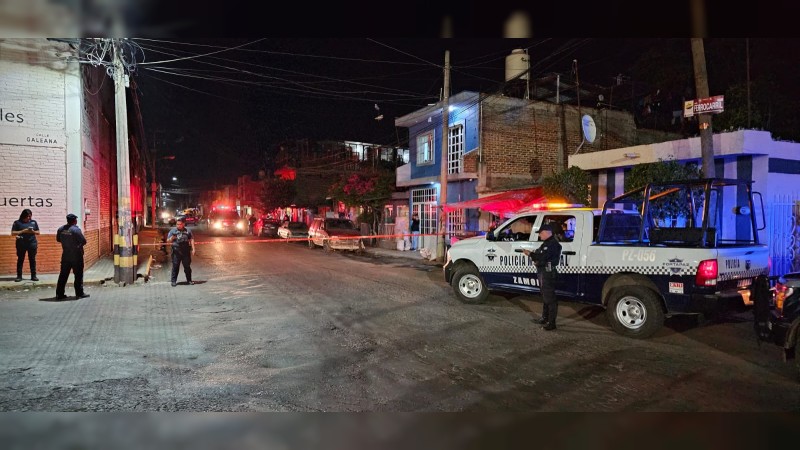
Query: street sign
column 710, row 105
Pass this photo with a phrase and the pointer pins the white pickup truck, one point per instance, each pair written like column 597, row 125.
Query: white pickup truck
column 671, row 248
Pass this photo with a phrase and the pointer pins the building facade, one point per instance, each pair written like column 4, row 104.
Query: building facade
column 495, row 144
column 58, row 149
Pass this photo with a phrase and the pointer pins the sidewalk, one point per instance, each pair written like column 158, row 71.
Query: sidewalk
column 101, row 272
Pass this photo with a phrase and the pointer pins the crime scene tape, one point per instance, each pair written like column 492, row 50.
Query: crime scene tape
column 301, row 239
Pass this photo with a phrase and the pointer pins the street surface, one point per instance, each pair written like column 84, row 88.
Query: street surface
column 276, row 326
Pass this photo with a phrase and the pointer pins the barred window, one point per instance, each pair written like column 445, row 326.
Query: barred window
column 455, row 149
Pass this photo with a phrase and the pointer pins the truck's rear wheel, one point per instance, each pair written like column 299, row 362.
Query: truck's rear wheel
column 469, row 286
column 635, row 311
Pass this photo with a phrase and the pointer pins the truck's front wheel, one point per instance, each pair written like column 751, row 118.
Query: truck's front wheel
column 635, row 311
column 469, row 285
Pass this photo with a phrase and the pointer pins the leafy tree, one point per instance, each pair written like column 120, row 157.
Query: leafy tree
column 671, row 206
column 368, row 189
column 660, row 172
column 571, row 184
column 278, row 193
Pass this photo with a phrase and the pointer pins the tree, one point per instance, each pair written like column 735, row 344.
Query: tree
column 277, row 193
column 672, row 205
column 369, row 189
column 571, row 184
column 660, row 172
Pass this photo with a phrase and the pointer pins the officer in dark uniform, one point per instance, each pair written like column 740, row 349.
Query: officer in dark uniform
column 72, row 241
column 182, row 241
column 546, row 258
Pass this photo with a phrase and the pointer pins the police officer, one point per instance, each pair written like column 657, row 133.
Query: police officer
column 546, row 258
column 26, row 229
column 182, row 241
column 72, row 241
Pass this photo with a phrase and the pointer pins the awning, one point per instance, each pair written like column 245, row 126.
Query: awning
column 502, row 203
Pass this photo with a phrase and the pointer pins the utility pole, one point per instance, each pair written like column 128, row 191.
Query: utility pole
column 444, row 169
column 124, row 259
column 701, row 86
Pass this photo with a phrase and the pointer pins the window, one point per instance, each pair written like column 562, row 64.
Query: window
column 455, row 149
column 564, row 226
column 425, row 148
column 455, row 222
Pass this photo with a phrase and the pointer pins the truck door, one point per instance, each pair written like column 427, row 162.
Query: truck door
column 505, row 267
column 571, row 237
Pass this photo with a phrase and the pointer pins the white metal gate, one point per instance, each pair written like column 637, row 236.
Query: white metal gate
column 783, row 235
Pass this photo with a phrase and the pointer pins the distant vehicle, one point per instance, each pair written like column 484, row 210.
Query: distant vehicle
column 291, row 230
column 334, row 234
column 227, row 221
column 267, row 227
column 189, row 219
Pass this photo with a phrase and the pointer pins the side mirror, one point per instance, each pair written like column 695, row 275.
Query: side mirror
column 490, row 236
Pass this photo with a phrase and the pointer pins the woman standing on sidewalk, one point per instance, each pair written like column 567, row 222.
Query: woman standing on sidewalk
column 26, row 229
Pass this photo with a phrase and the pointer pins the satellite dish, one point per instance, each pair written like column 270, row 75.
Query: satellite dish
column 589, row 128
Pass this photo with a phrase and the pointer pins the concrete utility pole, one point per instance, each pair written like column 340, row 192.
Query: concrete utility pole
column 444, row 169
column 124, row 259
column 701, row 86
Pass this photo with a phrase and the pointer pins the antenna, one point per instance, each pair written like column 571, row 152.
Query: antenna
column 589, row 131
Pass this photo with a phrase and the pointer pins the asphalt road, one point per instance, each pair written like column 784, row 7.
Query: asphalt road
column 276, row 326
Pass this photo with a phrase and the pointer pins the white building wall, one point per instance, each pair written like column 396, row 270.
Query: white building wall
column 33, row 145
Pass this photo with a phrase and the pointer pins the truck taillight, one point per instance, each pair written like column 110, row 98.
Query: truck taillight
column 707, row 273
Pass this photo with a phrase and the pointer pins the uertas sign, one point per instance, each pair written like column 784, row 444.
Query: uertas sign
column 710, row 105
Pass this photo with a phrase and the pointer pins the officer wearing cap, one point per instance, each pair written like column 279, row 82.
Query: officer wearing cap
column 546, row 258
column 72, row 241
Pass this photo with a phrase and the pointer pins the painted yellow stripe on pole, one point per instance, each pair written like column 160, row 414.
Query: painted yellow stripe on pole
column 116, row 260
column 135, row 239
column 126, row 261
column 116, row 239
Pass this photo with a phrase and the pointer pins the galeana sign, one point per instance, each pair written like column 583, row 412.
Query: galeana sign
column 32, row 137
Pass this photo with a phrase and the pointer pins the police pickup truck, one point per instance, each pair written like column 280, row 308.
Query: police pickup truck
column 664, row 249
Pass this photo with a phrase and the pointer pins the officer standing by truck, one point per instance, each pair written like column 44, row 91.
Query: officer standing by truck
column 546, row 258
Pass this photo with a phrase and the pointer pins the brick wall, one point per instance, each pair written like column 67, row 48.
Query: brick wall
column 521, row 140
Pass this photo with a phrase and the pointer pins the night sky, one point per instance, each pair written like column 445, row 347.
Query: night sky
column 220, row 112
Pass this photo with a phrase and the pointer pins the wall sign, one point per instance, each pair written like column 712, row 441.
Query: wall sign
column 32, row 137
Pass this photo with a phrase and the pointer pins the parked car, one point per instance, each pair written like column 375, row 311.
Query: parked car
column 293, row 230
column 227, row 221
column 267, row 227
column 334, row 234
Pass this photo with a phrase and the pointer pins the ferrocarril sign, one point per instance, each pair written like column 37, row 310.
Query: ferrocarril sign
column 710, row 105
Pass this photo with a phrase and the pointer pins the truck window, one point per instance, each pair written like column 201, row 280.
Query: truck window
column 564, row 226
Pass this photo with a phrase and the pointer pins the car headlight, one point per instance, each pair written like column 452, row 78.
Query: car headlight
column 240, row 225
column 217, row 225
